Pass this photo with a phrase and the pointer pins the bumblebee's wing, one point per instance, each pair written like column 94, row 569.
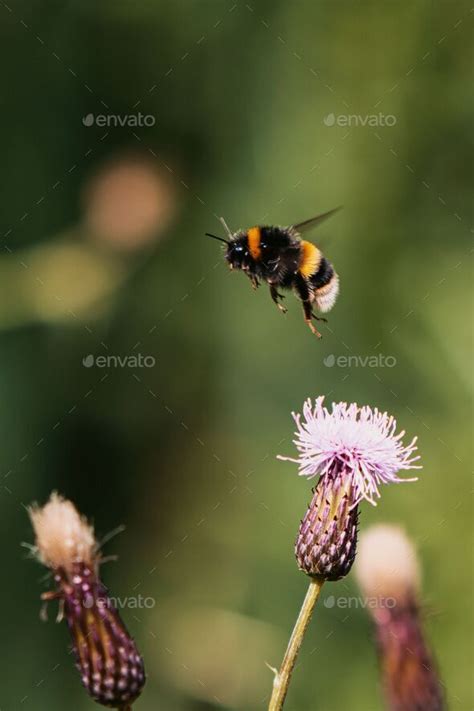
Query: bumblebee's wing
column 314, row 221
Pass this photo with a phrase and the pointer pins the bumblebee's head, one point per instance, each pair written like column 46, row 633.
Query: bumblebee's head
column 237, row 253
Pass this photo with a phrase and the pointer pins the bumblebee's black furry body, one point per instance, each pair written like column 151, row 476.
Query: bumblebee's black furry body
column 278, row 260
column 280, row 257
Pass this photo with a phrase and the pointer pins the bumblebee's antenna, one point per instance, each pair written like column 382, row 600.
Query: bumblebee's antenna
column 226, row 227
column 221, row 239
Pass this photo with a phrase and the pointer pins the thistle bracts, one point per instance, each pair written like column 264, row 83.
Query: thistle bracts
column 387, row 572
column 107, row 658
column 327, row 538
column 409, row 676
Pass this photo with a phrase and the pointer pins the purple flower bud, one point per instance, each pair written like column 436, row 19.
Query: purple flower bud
column 388, row 574
column 106, row 655
column 108, row 660
column 408, row 670
column 327, row 538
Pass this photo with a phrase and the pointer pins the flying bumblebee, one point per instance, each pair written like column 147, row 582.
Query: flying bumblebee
column 278, row 256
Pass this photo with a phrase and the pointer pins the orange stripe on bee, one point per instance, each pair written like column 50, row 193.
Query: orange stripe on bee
column 253, row 237
column 309, row 259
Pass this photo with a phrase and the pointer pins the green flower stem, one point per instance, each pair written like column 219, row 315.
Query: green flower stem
column 282, row 678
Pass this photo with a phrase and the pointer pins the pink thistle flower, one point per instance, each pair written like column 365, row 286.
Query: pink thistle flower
column 358, row 440
column 353, row 450
column 388, row 573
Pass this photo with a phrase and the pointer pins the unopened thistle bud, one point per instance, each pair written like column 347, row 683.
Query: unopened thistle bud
column 110, row 665
column 388, row 573
column 331, row 521
column 353, row 450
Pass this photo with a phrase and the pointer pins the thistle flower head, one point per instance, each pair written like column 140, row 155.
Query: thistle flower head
column 106, row 655
column 387, row 565
column 387, row 570
column 361, row 441
column 63, row 537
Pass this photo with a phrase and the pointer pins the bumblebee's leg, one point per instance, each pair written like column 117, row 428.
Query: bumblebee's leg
column 275, row 296
column 253, row 280
column 304, row 293
column 319, row 318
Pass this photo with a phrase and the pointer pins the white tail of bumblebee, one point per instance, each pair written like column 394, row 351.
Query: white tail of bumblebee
column 326, row 296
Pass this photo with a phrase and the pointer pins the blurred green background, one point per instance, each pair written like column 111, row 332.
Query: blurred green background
column 261, row 113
